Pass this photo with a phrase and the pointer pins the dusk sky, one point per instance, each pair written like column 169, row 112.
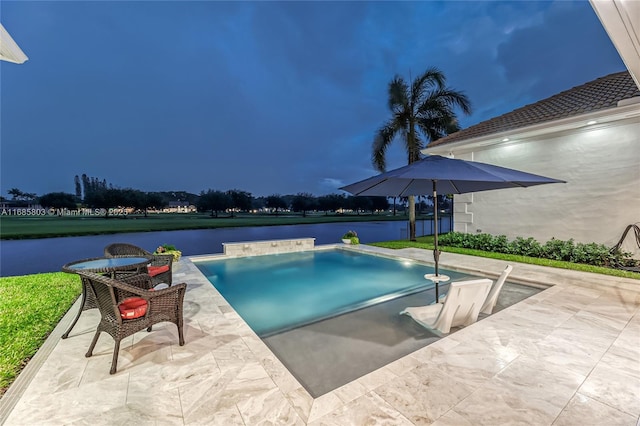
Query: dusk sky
column 266, row 97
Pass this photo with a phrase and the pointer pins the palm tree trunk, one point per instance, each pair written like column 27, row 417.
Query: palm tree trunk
column 412, row 218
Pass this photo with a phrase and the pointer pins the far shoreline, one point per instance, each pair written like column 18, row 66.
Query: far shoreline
column 41, row 227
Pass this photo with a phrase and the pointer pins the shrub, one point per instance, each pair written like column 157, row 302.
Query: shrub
column 592, row 253
column 166, row 247
column 499, row 244
column 558, row 249
column 350, row 234
column 525, row 247
column 169, row 249
column 484, row 242
column 569, row 251
column 453, row 239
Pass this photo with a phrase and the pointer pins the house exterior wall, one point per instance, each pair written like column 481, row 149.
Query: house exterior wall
column 601, row 166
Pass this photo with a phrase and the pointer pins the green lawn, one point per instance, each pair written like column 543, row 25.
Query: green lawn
column 21, row 227
column 427, row 244
column 31, row 306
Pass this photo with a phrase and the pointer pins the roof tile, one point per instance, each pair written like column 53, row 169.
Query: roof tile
column 604, row 92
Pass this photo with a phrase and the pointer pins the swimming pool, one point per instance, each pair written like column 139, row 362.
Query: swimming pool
column 274, row 293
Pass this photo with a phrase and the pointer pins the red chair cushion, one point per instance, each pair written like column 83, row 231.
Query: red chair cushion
column 155, row 270
column 133, row 307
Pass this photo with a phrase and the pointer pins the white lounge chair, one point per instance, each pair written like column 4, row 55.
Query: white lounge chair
column 461, row 307
column 492, row 298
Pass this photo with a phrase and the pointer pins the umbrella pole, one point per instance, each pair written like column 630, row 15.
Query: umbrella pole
column 436, row 254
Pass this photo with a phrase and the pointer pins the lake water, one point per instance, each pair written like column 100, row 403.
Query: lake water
column 21, row 257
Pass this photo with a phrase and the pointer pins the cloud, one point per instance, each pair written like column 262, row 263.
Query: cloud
column 569, row 47
column 331, row 184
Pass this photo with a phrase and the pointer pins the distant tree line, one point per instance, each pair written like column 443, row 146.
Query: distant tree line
column 95, row 193
column 18, row 195
column 234, row 200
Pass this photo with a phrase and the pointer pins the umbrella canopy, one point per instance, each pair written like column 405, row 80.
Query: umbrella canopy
column 9, row 50
column 451, row 176
column 436, row 174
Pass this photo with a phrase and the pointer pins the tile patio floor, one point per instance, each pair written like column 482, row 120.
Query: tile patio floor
column 569, row 355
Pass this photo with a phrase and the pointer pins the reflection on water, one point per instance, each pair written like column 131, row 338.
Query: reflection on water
column 20, row 257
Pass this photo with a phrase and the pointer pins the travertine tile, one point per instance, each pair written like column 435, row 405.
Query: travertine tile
column 595, row 323
column 233, row 353
column 443, row 344
column 144, row 355
column 350, row 391
column 624, row 358
column 324, row 404
column 403, row 365
column 492, row 405
column 179, row 372
column 368, row 409
column 130, row 414
column 451, row 418
column 615, row 307
column 258, row 347
column 614, row 388
column 548, row 313
column 583, row 410
column 57, row 374
column 579, row 356
column 377, row 378
column 279, row 374
column 153, row 404
column 203, row 400
column 571, row 301
column 73, row 405
column 424, row 394
column 466, row 365
column 506, row 340
column 301, row 401
column 268, row 407
column 545, row 386
column 429, row 353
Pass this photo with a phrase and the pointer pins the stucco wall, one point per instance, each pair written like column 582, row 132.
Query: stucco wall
column 601, row 196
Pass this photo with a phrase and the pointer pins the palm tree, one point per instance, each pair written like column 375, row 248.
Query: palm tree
column 421, row 113
column 15, row 193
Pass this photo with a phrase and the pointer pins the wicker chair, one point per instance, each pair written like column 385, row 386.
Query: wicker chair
column 112, row 294
column 158, row 261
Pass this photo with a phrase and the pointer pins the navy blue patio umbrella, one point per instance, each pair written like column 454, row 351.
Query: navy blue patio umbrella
column 436, row 174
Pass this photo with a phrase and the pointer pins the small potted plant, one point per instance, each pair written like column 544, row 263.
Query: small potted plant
column 350, row 237
column 169, row 249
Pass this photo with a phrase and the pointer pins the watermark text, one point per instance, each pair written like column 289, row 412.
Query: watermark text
column 17, row 211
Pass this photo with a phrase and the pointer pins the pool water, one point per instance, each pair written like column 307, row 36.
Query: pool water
column 274, row 293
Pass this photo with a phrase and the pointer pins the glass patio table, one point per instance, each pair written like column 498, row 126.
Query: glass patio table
column 101, row 265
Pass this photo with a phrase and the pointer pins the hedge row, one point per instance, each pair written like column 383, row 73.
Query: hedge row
column 569, row 251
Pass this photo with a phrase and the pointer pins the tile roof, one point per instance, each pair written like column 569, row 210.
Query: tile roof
column 602, row 93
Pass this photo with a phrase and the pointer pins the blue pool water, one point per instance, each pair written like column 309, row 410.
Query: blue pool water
column 274, row 293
